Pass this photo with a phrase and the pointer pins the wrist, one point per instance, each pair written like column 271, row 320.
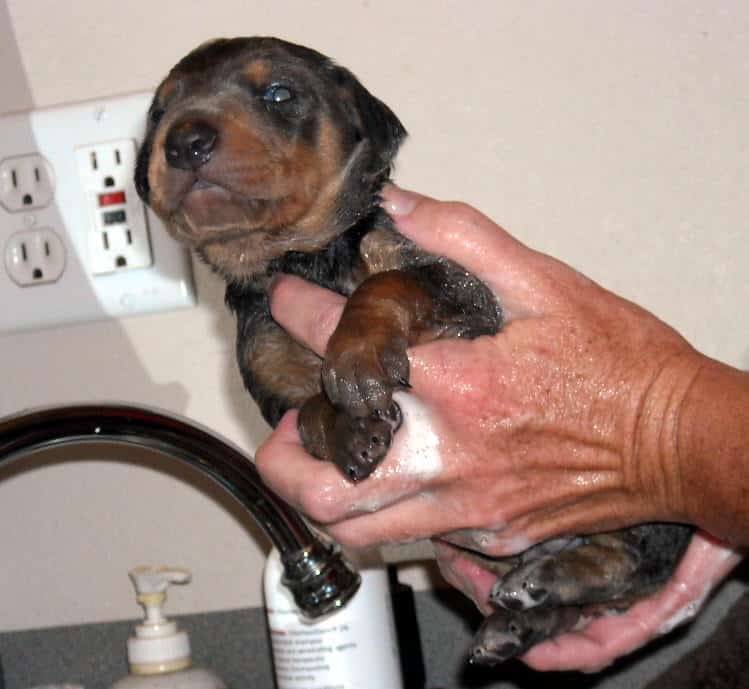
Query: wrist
column 712, row 449
column 657, row 452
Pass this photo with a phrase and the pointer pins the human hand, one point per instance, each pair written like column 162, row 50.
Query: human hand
column 560, row 424
column 706, row 563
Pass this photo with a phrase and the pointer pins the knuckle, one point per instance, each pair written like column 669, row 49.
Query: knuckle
column 320, row 503
column 459, row 213
column 264, row 461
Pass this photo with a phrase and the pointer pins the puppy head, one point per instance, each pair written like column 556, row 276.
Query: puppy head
column 255, row 147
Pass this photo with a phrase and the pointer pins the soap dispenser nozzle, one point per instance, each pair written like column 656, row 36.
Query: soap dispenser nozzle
column 151, row 584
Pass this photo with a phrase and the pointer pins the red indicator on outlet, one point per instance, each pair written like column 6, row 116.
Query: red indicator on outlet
column 111, row 199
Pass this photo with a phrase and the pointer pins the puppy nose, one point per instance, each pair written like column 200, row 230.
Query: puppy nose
column 189, row 145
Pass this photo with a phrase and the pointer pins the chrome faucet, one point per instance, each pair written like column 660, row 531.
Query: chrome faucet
column 315, row 573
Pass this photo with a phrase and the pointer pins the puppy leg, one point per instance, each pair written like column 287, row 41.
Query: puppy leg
column 596, row 569
column 278, row 372
column 366, row 360
column 600, row 568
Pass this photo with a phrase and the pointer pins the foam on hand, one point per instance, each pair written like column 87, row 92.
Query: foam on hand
column 417, row 443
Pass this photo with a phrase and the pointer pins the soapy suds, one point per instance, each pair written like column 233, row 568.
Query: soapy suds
column 416, row 444
column 704, row 556
column 685, row 613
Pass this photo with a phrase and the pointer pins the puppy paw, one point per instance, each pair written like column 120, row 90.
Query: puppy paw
column 589, row 573
column 526, row 587
column 361, row 443
column 360, row 376
column 500, row 637
column 505, row 634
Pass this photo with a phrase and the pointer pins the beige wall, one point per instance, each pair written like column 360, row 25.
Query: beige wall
column 610, row 134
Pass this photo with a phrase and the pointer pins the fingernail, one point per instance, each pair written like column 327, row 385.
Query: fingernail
column 397, row 201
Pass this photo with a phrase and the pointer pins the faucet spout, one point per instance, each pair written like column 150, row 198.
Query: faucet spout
column 315, row 572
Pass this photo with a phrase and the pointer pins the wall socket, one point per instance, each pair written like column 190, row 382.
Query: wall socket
column 76, row 242
column 118, row 236
column 26, row 183
column 35, row 257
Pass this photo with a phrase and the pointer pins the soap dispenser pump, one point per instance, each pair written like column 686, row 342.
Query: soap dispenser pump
column 158, row 652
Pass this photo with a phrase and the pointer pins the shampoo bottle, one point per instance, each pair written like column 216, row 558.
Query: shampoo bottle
column 352, row 648
column 158, row 652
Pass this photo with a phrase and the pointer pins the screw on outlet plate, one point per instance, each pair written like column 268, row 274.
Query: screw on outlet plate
column 34, row 257
column 26, row 182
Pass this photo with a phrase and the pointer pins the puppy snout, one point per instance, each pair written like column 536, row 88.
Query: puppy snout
column 189, row 145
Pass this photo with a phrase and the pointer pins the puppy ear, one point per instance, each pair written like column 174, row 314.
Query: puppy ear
column 373, row 121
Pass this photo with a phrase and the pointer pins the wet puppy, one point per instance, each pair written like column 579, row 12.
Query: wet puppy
column 266, row 157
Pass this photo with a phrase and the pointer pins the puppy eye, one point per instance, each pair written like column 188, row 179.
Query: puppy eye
column 277, row 93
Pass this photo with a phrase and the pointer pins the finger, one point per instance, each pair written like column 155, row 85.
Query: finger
column 317, row 488
column 307, row 312
column 465, row 575
column 461, row 233
column 306, row 483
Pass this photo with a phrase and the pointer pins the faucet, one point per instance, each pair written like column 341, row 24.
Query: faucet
column 314, row 572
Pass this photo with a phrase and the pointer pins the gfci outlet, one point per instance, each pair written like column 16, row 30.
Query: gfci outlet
column 77, row 244
column 118, row 236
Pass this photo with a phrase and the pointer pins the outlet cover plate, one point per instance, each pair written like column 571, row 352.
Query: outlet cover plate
column 79, row 294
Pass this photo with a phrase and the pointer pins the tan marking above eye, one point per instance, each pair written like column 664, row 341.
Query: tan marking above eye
column 258, row 73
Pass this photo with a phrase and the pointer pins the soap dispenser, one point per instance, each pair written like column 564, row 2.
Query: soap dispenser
column 158, row 652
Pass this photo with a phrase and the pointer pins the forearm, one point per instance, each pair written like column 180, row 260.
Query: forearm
column 713, row 452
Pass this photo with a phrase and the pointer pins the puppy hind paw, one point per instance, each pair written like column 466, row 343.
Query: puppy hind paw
column 519, row 593
column 502, row 636
column 363, row 442
column 505, row 634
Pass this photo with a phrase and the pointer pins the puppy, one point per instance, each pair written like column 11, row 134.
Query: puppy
column 265, row 157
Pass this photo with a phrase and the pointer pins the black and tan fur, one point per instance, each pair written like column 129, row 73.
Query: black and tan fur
column 266, row 157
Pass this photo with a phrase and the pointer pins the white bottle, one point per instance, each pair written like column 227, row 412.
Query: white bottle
column 352, row 648
column 158, row 652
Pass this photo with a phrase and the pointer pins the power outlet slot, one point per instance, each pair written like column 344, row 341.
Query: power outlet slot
column 118, row 237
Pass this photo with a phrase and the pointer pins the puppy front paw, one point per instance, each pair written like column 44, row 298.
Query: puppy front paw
column 360, row 375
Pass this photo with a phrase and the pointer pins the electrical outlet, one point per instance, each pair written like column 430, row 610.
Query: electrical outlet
column 34, row 257
column 118, row 238
column 109, row 255
column 26, row 183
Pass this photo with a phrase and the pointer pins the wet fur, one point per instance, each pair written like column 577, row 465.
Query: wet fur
column 259, row 184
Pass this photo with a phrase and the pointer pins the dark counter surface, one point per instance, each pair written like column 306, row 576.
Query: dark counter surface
column 235, row 645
